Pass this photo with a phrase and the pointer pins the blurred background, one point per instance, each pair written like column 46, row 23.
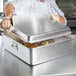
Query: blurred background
column 69, row 8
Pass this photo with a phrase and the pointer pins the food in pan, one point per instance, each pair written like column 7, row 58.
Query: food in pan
column 30, row 45
column 37, row 44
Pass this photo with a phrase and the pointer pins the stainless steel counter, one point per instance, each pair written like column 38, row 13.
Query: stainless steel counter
column 64, row 66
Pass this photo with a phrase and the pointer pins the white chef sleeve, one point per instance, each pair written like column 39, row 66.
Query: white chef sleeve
column 55, row 10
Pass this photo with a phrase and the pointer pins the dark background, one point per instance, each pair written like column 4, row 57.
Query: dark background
column 69, row 8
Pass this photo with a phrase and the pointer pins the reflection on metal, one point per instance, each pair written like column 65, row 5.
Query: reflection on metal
column 64, row 66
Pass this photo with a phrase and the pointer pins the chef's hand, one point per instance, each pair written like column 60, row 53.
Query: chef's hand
column 6, row 23
column 59, row 19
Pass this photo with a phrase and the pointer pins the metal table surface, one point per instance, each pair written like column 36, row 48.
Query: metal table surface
column 64, row 66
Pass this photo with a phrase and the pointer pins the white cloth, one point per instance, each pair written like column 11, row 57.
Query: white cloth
column 47, row 7
column 1, row 5
column 35, row 6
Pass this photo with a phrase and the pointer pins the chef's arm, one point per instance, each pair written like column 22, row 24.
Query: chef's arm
column 58, row 15
column 59, row 19
column 8, row 12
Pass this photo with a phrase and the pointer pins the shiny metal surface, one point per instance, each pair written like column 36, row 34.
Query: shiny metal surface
column 34, row 28
column 37, row 27
column 34, row 56
column 64, row 66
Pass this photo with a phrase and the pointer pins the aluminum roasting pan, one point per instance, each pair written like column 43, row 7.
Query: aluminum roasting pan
column 34, row 56
column 35, row 27
column 33, row 32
